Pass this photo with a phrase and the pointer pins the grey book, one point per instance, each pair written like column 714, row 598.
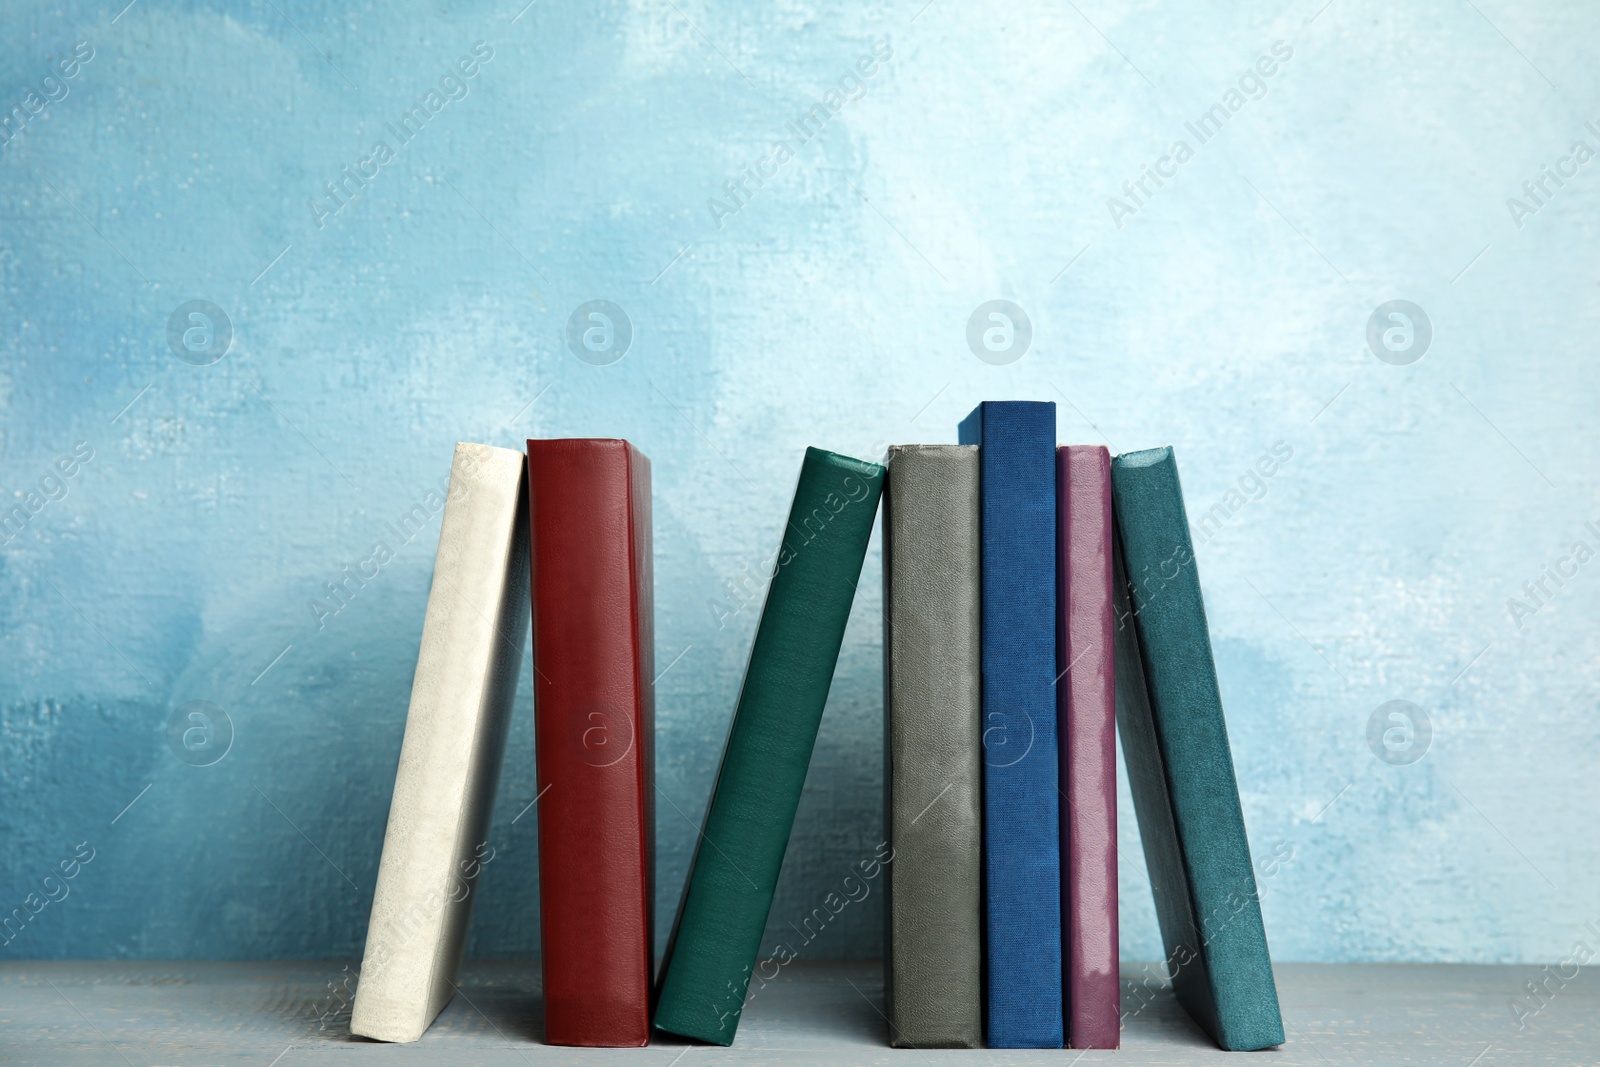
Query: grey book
column 933, row 746
column 436, row 843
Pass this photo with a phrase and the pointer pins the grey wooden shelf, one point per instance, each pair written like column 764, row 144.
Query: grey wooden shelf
column 145, row 1013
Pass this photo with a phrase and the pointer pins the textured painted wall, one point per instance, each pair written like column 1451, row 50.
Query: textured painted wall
column 1199, row 208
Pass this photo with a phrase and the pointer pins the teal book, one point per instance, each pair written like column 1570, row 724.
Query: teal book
column 1180, row 769
column 711, row 960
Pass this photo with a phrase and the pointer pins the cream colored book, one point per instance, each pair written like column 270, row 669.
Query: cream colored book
column 436, row 843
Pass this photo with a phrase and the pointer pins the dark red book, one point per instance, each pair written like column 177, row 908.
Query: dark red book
column 594, row 723
column 1087, row 719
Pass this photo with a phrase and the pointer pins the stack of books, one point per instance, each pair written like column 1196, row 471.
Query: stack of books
column 1037, row 601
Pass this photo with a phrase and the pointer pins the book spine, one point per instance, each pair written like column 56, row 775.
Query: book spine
column 1221, row 942
column 1086, row 706
column 932, row 751
column 593, row 658
column 711, row 958
column 436, row 843
column 1022, row 848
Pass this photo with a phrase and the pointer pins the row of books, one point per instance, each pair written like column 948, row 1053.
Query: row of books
column 1037, row 601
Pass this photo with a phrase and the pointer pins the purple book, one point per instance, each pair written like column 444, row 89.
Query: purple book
column 1087, row 716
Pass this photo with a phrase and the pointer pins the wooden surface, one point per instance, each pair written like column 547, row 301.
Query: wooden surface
column 271, row 1015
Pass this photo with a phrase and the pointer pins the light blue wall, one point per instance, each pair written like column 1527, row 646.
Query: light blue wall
column 1225, row 312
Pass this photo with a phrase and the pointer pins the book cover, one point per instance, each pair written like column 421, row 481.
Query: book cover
column 708, row 966
column 436, row 843
column 1180, row 768
column 1087, row 723
column 1021, row 780
column 933, row 777
column 594, row 729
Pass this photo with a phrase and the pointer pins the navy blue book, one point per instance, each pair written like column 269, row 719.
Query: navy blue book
column 1021, row 816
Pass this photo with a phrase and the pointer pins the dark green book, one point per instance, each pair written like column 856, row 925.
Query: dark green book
column 1180, row 769
column 711, row 956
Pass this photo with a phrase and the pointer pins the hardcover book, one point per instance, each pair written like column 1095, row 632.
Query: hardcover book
column 933, row 948
column 1180, row 768
column 709, row 959
column 436, row 842
column 1086, row 702
column 1021, row 780
column 594, row 727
